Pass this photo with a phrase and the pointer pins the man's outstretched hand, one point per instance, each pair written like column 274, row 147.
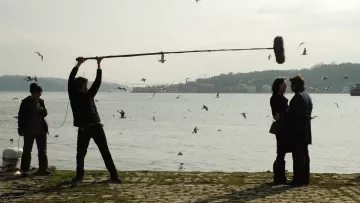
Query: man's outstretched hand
column 80, row 60
column 98, row 60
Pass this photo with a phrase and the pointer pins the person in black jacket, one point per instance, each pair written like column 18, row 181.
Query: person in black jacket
column 87, row 119
column 279, row 104
column 298, row 125
column 32, row 126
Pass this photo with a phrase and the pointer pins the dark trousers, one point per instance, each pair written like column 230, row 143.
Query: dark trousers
column 28, row 145
column 279, row 164
column 301, row 165
column 97, row 133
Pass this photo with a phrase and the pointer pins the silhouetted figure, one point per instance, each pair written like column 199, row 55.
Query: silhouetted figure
column 298, row 125
column 32, row 126
column 279, row 104
column 87, row 119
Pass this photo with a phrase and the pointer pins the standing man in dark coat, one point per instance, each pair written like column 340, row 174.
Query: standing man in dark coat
column 87, row 119
column 32, row 126
column 298, row 125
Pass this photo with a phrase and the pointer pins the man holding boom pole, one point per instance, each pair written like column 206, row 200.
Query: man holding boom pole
column 87, row 119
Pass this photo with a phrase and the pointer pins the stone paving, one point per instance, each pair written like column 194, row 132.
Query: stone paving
column 192, row 187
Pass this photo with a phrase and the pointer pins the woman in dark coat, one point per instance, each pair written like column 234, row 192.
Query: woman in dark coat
column 279, row 104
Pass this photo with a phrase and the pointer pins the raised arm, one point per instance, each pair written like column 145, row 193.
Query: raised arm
column 96, row 85
column 73, row 73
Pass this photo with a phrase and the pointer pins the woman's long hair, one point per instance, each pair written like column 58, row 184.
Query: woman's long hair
column 276, row 85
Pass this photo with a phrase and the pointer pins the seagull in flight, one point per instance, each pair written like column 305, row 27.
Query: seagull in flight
column 153, row 118
column 56, row 136
column 11, row 140
column 42, row 57
column 15, row 98
column 178, row 97
column 325, row 78
column 337, row 105
column 121, row 88
column 163, row 88
column 195, row 130
column 304, row 52
column 122, row 113
column 205, row 107
column 244, row 115
column 218, row 95
column 301, row 44
column 269, row 57
column 143, row 79
column 346, row 77
column 187, row 79
column 314, row 88
column 197, row 1
column 180, row 154
column 327, row 88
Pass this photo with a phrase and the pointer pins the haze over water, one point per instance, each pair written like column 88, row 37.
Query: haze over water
column 139, row 143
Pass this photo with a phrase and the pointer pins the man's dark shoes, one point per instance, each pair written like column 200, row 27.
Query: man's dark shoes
column 24, row 174
column 116, row 179
column 77, row 178
column 43, row 172
column 297, row 184
column 281, row 181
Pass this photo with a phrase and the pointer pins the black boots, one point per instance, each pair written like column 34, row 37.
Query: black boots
column 79, row 177
column 279, row 173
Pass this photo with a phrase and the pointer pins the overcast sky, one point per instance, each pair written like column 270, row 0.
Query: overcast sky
column 63, row 30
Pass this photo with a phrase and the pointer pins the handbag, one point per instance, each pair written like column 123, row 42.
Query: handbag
column 275, row 128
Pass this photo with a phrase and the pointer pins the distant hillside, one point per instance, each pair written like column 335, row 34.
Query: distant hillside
column 17, row 83
column 261, row 81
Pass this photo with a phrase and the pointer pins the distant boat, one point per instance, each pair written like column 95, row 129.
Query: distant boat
column 355, row 90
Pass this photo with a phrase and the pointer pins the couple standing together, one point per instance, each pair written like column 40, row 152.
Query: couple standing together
column 292, row 128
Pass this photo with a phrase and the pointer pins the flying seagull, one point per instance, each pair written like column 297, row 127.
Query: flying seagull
column 187, row 79
column 269, row 57
column 153, row 95
column 56, row 136
column 162, row 59
column 337, row 105
column 244, row 114
column 346, row 77
column 42, row 57
column 218, row 94
column 15, row 98
column 328, row 87
column 189, row 110
column 28, row 78
column 178, row 97
column 143, row 79
column 163, row 88
column 304, row 52
column 205, row 107
column 195, row 130
column 122, row 113
column 301, row 44
column 219, row 130
column 180, row 154
column 11, row 140
column 325, row 78
column 35, row 78
column 314, row 88
column 153, row 118
column 121, row 88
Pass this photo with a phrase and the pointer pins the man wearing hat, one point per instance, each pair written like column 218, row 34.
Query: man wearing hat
column 298, row 125
column 32, row 126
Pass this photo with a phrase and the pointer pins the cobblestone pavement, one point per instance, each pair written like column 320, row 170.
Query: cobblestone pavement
column 179, row 187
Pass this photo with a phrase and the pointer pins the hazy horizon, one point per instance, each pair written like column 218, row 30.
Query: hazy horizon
column 63, row 30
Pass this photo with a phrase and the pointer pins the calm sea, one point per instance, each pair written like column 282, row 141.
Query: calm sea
column 140, row 143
